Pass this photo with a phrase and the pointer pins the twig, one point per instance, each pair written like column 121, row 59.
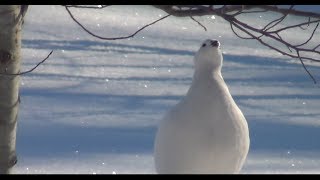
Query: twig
column 199, row 23
column 278, row 50
column 309, row 19
column 32, row 69
column 204, row 10
column 86, row 7
column 316, row 47
column 257, row 11
column 255, row 33
column 277, row 21
column 231, row 26
column 293, row 26
column 305, row 68
column 283, row 40
column 309, row 37
column 114, row 38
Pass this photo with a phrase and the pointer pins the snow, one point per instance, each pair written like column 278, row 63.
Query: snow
column 94, row 106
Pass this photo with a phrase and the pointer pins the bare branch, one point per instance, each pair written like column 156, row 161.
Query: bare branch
column 266, row 28
column 229, row 13
column 316, row 47
column 309, row 19
column 280, row 51
column 230, row 18
column 257, row 11
column 199, row 23
column 114, row 38
column 239, row 12
column 29, row 71
column 231, row 26
column 309, row 37
column 305, row 68
column 202, row 10
column 294, row 26
column 86, row 7
column 198, row 11
column 283, row 40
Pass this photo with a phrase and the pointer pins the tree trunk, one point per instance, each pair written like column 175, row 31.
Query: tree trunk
column 11, row 18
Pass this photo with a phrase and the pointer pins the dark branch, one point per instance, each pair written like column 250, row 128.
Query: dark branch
column 240, row 26
column 241, row 37
column 229, row 13
column 305, row 68
column 283, row 40
column 309, row 37
column 246, row 27
column 257, row 11
column 316, row 47
column 86, row 7
column 114, row 38
column 309, row 19
column 277, row 21
column 202, row 10
column 29, row 71
column 199, row 23
column 294, row 26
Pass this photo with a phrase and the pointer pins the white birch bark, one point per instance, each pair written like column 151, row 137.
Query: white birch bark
column 10, row 46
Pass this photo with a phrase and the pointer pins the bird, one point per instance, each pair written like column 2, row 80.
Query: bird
column 206, row 132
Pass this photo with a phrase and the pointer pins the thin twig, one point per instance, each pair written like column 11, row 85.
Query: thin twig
column 278, row 50
column 257, row 11
column 29, row 71
column 233, row 19
column 316, row 47
column 294, row 26
column 205, row 10
column 114, row 38
column 86, row 7
column 283, row 40
column 309, row 19
column 237, row 13
column 199, row 23
column 266, row 28
column 309, row 37
column 231, row 26
column 305, row 68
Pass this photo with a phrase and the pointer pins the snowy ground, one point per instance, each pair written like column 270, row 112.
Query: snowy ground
column 93, row 107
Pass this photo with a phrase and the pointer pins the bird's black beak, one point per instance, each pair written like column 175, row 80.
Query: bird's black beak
column 215, row 43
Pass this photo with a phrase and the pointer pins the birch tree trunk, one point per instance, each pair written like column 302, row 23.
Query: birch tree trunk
column 10, row 44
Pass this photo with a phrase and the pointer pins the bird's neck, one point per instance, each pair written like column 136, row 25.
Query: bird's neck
column 207, row 73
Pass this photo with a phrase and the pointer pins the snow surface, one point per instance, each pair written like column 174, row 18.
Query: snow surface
column 94, row 106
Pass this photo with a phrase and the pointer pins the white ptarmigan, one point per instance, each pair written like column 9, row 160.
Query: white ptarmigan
column 205, row 132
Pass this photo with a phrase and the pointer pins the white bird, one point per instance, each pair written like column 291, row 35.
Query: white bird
column 205, row 132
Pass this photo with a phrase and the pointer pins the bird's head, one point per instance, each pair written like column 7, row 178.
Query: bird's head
column 209, row 55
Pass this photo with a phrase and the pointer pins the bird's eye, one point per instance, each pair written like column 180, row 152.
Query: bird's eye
column 203, row 45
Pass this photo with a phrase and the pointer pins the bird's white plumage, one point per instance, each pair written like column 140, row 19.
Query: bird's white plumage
column 205, row 132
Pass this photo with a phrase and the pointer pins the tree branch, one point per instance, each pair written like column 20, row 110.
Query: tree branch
column 277, row 21
column 294, row 26
column 86, row 7
column 229, row 13
column 198, row 23
column 280, row 51
column 113, row 38
column 305, row 68
column 203, row 10
column 309, row 37
column 29, row 71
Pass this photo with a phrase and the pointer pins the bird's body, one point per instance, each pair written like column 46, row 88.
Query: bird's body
column 205, row 132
